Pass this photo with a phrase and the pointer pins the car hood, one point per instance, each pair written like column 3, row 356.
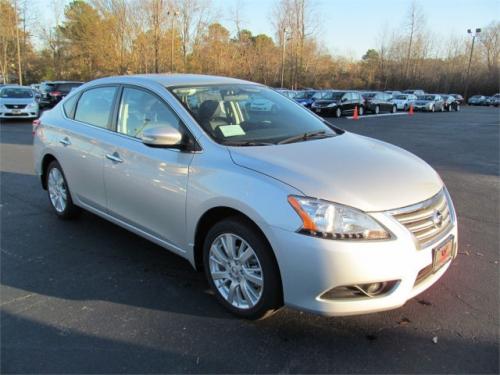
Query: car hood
column 16, row 100
column 349, row 169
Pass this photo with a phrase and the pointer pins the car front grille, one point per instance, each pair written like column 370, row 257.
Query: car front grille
column 428, row 221
column 15, row 106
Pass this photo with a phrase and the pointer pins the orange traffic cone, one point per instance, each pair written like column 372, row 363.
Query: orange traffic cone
column 355, row 115
column 410, row 112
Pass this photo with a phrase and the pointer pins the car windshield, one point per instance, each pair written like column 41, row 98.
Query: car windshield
column 369, row 95
column 318, row 95
column 304, row 94
column 247, row 115
column 333, row 95
column 401, row 97
column 426, row 97
column 16, row 92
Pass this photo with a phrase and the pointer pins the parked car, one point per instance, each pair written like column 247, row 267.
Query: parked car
column 282, row 209
column 459, row 98
column 477, row 100
column 260, row 104
column 18, row 102
column 53, row 92
column 429, row 103
column 414, row 92
column 306, row 97
column 404, row 101
column 489, row 100
column 376, row 102
column 496, row 100
column 393, row 93
column 338, row 103
column 288, row 93
column 450, row 103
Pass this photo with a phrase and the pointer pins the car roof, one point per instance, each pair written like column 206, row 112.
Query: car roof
column 170, row 80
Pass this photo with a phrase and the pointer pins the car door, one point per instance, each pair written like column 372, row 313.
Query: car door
column 386, row 100
column 146, row 186
column 84, row 142
column 347, row 106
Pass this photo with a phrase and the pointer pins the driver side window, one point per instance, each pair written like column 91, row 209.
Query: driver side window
column 140, row 110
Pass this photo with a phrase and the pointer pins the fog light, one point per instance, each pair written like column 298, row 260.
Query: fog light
column 361, row 290
column 374, row 288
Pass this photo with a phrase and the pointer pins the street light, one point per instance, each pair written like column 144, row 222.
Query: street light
column 474, row 35
column 283, row 38
column 173, row 14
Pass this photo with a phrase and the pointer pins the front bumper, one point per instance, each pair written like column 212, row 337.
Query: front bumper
column 26, row 113
column 312, row 266
column 324, row 111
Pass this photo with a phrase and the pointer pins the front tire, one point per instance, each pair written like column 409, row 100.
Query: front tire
column 241, row 269
column 338, row 113
column 377, row 110
column 394, row 109
column 58, row 192
column 361, row 111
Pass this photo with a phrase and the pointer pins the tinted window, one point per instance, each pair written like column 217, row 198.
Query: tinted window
column 65, row 87
column 140, row 110
column 95, row 106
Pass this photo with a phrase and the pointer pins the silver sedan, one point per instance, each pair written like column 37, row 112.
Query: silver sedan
column 278, row 207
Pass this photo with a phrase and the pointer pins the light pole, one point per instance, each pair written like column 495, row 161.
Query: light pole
column 283, row 36
column 474, row 35
column 173, row 14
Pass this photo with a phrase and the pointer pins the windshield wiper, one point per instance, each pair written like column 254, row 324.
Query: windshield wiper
column 305, row 136
column 248, row 143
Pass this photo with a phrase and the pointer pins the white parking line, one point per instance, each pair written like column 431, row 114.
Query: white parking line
column 380, row 115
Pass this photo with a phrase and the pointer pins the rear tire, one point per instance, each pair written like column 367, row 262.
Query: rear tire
column 377, row 110
column 361, row 111
column 394, row 109
column 338, row 113
column 249, row 286
column 58, row 192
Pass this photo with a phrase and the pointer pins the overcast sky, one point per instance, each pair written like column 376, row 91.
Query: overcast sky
column 350, row 27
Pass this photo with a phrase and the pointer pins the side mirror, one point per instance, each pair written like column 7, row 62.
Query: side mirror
column 343, row 100
column 162, row 136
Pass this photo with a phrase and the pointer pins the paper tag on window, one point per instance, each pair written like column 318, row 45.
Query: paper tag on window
column 231, row 130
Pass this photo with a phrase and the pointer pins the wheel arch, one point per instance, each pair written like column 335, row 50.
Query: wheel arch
column 46, row 160
column 215, row 215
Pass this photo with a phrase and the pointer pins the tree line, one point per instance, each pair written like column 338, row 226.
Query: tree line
column 95, row 38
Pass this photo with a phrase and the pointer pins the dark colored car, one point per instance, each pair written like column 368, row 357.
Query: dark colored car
column 450, row 103
column 477, row 100
column 459, row 98
column 496, row 100
column 376, row 102
column 51, row 93
column 337, row 103
column 306, row 97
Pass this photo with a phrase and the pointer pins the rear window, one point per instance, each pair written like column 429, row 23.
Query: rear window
column 400, row 97
column 65, row 87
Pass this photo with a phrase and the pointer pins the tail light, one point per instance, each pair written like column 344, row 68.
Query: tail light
column 55, row 93
column 36, row 124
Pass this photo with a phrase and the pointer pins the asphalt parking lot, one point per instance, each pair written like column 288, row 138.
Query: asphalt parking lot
column 89, row 297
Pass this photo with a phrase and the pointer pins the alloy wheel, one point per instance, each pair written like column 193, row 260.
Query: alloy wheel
column 236, row 271
column 58, row 192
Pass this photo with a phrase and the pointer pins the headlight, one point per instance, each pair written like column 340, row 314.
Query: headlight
column 335, row 221
column 332, row 105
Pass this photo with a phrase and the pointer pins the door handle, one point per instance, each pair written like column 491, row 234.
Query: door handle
column 114, row 157
column 65, row 141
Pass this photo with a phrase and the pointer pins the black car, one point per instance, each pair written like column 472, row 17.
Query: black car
column 376, row 102
column 337, row 103
column 459, row 98
column 51, row 93
column 450, row 103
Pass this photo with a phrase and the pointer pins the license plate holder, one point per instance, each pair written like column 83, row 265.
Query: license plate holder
column 442, row 254
column 16, row 111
